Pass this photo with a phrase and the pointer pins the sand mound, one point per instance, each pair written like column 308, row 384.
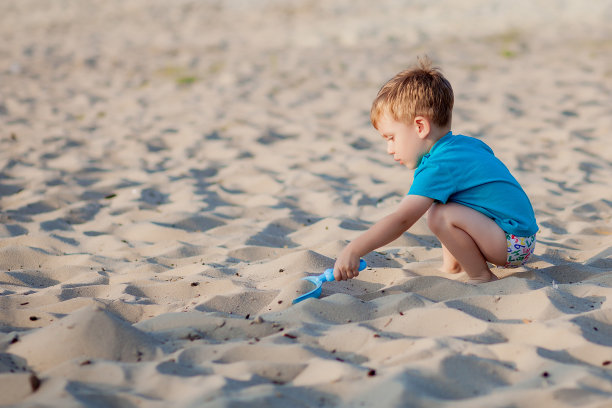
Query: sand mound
column 89, row 333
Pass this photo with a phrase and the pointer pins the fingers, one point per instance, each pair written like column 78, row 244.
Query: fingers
column 346, row 273
column 346, row 266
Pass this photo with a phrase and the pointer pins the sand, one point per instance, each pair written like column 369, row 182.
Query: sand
column 169, row 171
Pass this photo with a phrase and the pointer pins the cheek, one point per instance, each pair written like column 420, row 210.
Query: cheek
column 401, row 146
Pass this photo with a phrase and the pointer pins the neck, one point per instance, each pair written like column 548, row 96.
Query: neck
column 436, row 134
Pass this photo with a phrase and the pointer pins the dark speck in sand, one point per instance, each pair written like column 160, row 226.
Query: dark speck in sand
column 34, row 382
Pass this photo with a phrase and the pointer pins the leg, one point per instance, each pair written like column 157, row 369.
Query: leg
column 470, row 237
column 449, row 263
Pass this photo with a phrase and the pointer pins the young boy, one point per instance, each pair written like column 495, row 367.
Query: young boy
column 475, row 207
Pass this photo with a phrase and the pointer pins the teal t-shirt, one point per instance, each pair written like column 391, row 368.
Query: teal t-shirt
column 464, row 170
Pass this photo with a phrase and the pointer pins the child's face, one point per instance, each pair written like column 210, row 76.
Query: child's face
column 403, row 141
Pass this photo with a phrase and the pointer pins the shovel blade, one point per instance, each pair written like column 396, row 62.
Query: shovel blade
column 315, row 293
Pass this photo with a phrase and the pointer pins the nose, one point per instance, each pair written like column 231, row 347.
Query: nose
column 390, row 147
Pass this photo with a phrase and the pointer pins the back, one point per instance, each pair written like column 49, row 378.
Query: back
column 464, row 170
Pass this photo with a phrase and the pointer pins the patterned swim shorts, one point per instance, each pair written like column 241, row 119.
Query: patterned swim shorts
column 519, row 249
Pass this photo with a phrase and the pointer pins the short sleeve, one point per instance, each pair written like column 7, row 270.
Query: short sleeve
column 434, row 181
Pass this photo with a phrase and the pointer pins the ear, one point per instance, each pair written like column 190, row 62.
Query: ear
column 422, row 126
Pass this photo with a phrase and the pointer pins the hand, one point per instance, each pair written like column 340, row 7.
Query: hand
column 346, row 266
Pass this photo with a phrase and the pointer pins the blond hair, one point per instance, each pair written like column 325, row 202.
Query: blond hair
column 419, row 91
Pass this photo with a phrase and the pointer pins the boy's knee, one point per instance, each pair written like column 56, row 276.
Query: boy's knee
column 435, row 217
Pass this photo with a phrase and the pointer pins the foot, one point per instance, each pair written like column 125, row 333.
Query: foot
column 484, row 278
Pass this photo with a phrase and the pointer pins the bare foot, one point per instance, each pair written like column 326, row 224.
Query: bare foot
column 482, row 279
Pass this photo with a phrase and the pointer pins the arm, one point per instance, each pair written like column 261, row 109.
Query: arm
column 384, row 231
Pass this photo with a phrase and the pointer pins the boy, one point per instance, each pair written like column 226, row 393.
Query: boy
column 475, row 207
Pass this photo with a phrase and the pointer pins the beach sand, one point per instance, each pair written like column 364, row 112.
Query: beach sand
column 169, row 171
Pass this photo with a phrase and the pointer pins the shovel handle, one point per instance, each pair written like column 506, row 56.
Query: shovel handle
column 328, row 275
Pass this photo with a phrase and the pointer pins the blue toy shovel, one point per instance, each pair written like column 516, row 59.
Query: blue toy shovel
column 327, row 276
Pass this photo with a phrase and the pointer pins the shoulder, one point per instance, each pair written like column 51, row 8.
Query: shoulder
column 463, row 148
column 462, row 140
column 455, row 153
